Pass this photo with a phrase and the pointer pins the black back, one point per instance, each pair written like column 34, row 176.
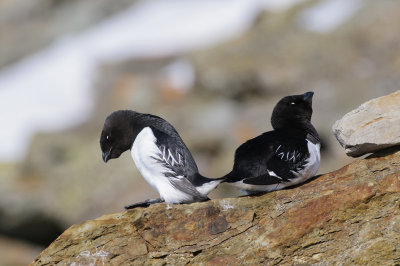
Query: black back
column 179, row 158
column 122, row 127
column 283, row 151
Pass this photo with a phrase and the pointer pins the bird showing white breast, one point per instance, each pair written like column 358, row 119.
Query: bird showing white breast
column 148, row 159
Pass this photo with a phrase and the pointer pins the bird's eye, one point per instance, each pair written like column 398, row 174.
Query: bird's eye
column 292, row 103
column 107, row 137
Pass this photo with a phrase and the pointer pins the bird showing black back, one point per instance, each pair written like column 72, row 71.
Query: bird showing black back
column 159, row 154
column 286, row 156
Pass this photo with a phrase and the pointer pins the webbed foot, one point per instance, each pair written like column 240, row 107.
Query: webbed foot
column 144, row 204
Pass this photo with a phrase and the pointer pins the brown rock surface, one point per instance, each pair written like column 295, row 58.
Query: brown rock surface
column 349, row 216
column 373, row 126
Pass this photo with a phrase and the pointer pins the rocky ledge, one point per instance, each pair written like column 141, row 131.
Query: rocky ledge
column 349, row 216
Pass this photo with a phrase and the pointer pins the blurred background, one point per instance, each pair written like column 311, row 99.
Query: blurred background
column 213, row 69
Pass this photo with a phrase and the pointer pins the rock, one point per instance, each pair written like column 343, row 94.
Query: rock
column 373, row 126
column 349, row 216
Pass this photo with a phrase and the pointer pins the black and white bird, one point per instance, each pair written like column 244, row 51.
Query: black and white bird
column 159, row 154
column 285, row 156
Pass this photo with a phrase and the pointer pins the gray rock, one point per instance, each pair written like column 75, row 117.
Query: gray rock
column 373, row 126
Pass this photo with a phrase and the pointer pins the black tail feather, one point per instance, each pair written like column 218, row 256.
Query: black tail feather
column 229, row 178
column 199, row 180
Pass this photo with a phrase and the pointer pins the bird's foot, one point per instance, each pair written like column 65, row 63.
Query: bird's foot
column 205, row 199
column 144, row 204
column 254, row 193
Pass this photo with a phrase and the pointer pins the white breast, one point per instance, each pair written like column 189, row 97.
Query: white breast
column 312, row 165
column 143, row 151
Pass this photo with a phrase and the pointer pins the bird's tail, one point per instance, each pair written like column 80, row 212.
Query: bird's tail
column 229, row 178
column 205, row 185
column 204, row 179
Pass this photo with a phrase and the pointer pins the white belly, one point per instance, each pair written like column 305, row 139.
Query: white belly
column 143, row 150
column 312, row 166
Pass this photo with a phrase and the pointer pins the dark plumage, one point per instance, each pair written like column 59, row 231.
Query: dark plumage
column 288, row 155
column 160, row 155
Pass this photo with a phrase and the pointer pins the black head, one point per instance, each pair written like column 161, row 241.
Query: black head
column 292, row 111
column 117, row 135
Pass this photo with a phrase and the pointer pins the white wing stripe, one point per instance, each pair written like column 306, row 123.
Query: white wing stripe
column 293, row 158
column 180, row 159
column 278, row 148
column 169, row 159
column 272, row 173
column 290, row 156
column 173, row 161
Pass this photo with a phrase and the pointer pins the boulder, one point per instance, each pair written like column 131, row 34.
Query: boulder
column 349, row 216
column 373, row 126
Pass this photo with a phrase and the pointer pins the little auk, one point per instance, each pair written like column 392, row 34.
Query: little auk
column 285, row 156
column 160, row 155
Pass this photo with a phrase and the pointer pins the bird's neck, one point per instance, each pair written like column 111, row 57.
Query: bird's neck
column 304, row 126
column 137, row 123
column 312, row 134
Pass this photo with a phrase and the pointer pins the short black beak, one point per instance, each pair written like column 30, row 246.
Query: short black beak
column 308, row 96
column 106, row 155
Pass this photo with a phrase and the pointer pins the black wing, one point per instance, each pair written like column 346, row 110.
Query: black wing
column 288, row 159
column 176, row 157
column 270, row 158
column 174, row 154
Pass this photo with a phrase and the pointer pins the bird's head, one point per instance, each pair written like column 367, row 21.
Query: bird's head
column 292, row 109
column 116, row 136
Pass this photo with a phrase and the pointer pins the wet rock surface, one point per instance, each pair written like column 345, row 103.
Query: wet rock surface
column 373, row 126
column 349, row 216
